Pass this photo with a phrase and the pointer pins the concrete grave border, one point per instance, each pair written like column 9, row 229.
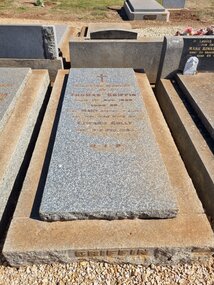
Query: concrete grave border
column 184, row 238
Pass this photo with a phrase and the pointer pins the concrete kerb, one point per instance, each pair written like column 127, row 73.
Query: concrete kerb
column 187, row 237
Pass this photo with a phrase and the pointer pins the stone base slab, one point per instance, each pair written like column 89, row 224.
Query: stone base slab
column 155, row 16
column 184, row 238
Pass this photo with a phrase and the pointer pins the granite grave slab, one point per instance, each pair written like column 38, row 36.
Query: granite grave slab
column 105, row 162
column 199, row 91
column 177, row 50
column 12, row 83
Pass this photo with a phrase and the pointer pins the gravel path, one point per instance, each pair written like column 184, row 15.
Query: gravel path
column 108, row 274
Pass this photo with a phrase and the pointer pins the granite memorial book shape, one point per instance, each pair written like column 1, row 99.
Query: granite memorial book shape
column 105, row 163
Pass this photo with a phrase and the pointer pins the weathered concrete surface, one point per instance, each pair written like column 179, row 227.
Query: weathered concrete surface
column 145, row 10
column 52, row 65
column 12, row 83
column 137, row 54
column 196, row 150
column 177, row 50
column 16, row 135
column 105, row 162
column 28, row 42
column 187, row 237
column 199, row 91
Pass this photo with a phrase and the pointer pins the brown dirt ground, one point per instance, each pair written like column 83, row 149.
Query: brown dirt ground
column 196, row 14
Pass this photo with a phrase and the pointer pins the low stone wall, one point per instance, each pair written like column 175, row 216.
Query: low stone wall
column 137, row 54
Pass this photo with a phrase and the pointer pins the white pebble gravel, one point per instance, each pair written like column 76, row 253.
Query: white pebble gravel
column 97, row 273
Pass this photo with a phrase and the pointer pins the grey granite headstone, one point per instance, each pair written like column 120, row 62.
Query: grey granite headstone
column 145, row 6
column 28, row 42
column 105, row 163
column 199, row 91
column 12, row 82
column 177, row 50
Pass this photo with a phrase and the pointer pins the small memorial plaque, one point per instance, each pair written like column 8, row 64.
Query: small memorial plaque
column 12, row 82
column 105, row 163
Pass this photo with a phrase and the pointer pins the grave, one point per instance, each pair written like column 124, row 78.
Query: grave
column 105, row 162
column 145, row 10
column 110, row 31
column 185, row 238
column 22, row 92
column 31, row 46
column 198, row 90
column 177, row 50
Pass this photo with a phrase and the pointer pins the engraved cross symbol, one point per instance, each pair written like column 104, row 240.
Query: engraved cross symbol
column 102, row 76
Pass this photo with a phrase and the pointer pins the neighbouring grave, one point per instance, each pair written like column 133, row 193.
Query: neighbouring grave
column 177, row 50
column 145, row 10
column 12, row 83
column 185, row 238
column 199, row 92
column 22, row 92
column 31, row 46
column 105, row 162
column 111, row 31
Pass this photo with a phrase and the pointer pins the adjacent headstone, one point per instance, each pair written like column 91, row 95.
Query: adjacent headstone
column 145, row 10
column 105, row 163
column 110, row 31
column 199, row 91
column 28, row 42
column 12, row 83
column 173, row 4
column 177, row 50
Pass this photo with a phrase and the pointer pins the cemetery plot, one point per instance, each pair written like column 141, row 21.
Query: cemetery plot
column 186, row 237
column 23, row 93
column 105, row 163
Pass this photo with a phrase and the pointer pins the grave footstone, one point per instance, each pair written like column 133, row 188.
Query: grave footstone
column 12, row 83
column 105, row 163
